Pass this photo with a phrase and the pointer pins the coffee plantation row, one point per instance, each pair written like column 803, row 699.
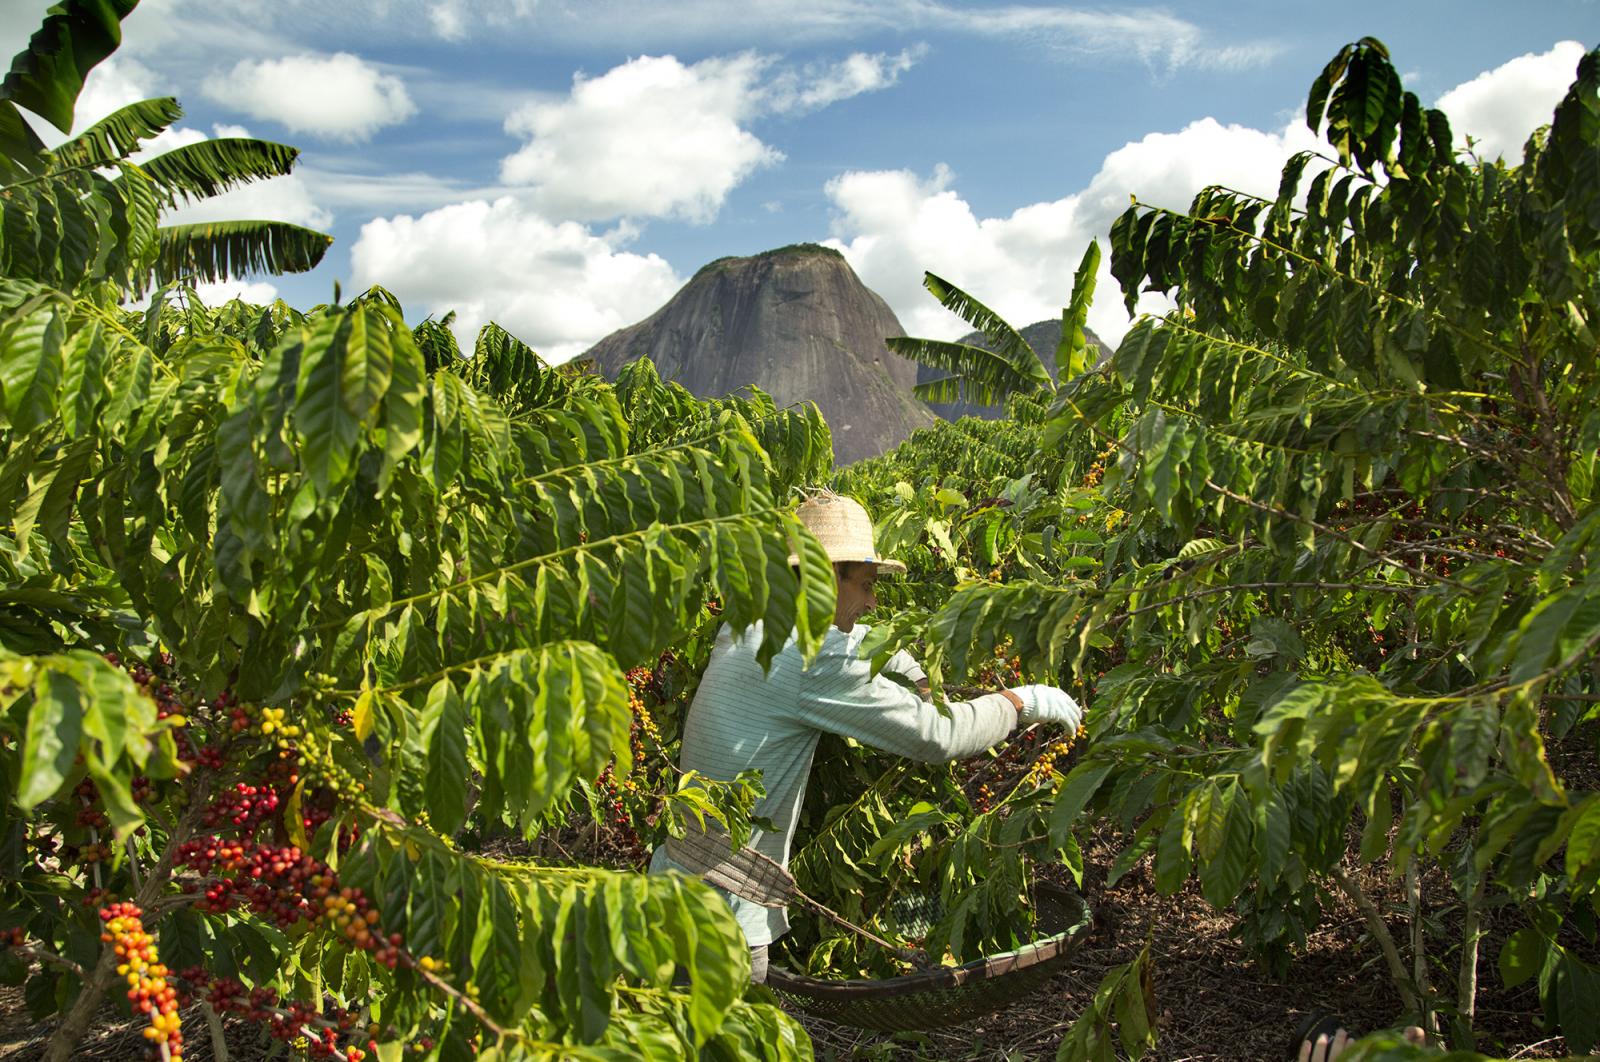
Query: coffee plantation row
column 342, row 670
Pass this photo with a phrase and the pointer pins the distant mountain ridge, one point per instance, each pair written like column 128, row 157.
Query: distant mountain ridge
column 796, row 322
column 1042, row 336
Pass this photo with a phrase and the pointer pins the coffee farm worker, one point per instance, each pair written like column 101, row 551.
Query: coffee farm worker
column 743, row 718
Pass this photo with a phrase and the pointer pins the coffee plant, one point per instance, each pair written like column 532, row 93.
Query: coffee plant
column 1315, row 548
column 341, row 672
column 313, row 631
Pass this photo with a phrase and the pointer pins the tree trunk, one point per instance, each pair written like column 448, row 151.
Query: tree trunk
column 1380, row 933
column 1419, row 949
column 1467, row 981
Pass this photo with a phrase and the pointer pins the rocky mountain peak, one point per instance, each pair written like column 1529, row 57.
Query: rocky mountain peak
column 796, row 322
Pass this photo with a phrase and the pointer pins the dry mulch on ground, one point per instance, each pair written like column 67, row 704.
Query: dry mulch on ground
column 1213, row 1003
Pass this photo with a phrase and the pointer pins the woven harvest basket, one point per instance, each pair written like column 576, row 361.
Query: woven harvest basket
column 946, row 995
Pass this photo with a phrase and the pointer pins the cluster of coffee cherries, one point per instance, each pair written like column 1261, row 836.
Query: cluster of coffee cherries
column 245, row 806
column 144, row 675
column 642, row 724
column 98, row 852
column 1097, row 471
column 329, row 775
column 272, row 725
column 317, row 1034
column 1005, row 765
column 89, row 816
column 1002, row 671
column 1043, row 769
column 617, row 812
column 286, row 885
column 14, row 937
column 148, row 988
column 151, row 676
column 614, row 792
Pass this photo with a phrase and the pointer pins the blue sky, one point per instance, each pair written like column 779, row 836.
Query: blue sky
column 563, row 167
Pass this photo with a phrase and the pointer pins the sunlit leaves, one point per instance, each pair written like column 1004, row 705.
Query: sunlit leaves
column 299, row 504
column 553, row 943
column 75, row 704
column 31, row 367
column 1072, row 355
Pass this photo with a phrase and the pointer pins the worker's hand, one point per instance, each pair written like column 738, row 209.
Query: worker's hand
column 905, row 665
column 1046, row 704
column 1328, row 1047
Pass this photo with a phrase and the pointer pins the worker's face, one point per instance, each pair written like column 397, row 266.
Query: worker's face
column 855, row 582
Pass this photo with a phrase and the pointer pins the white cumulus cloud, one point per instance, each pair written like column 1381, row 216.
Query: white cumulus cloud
column 557, row 286
column 340, row 96
column 893, row 224
column 258, row 292
column 651, row 137
column 1500, row 107
column 448, row 18
column 655, row 137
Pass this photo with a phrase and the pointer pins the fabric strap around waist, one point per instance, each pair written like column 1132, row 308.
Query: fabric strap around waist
column 747, row 874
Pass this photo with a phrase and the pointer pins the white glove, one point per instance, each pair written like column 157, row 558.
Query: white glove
column 905, row 665
column 1046, row 704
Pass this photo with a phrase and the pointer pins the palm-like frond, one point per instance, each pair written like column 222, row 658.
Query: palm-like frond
column 211, row 167
column 119, row 134
column 976, row 374
column 216, row 250
column 948, row 389
column 1072, row 353
column 48, row 75
column 1008, row 342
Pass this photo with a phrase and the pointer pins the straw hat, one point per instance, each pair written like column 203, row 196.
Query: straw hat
column 844, row 529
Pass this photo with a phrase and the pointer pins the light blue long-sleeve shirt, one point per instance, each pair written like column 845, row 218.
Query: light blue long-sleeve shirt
column 742, row 718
